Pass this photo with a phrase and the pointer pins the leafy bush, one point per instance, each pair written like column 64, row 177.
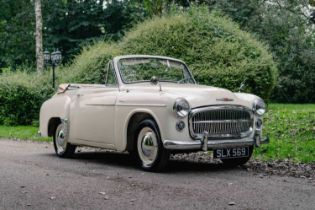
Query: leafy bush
column 89, row 66
column 21, row 96
column 285, row 26
column 217, row 51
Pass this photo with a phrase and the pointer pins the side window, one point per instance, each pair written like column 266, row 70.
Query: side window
column 110, row 75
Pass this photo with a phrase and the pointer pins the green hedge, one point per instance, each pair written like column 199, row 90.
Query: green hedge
column 21, row 95
column 89, row 66
column 217, row 51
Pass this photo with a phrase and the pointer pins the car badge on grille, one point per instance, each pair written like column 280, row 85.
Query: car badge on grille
column 225, row 99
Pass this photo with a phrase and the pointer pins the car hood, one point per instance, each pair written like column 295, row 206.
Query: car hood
column 196, row 95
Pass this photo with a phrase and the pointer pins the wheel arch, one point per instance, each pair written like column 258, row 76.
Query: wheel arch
column 52, row 109
column 132, row 125
column 52, row 125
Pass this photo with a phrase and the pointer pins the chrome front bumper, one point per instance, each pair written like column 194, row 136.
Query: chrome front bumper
column 211, row 144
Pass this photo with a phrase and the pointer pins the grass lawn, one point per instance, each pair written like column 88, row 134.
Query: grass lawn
column 291, row 129
column 21, row 132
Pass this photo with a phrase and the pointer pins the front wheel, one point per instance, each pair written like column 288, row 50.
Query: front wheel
column 62, row 147
column 151, row 154
column 237, row 161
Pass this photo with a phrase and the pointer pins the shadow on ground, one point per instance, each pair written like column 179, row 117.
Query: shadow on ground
column 127, row 161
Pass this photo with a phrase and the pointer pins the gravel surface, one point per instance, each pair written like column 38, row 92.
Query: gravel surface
column 32, row 177
column 278, row 167
column 283, row 168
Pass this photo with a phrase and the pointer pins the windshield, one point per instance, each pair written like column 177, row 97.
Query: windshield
column 134, row 70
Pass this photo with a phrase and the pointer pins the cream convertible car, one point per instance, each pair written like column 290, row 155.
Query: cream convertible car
column 151, row 106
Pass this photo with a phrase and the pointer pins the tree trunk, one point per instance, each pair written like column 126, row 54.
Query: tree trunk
column 39, row 37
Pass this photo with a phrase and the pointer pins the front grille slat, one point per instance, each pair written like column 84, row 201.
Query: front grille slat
column 221, row 122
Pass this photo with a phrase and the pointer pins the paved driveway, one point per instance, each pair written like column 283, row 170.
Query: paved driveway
column 32, row 177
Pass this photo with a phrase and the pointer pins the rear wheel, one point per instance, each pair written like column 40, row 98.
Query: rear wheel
column 238, row 161
column 151, row 154
column 61, row 145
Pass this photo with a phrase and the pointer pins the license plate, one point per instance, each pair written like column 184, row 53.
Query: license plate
column 229, row 153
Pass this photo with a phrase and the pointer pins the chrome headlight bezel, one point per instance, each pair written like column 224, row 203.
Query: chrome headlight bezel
column 259, row 107
column 181, row 107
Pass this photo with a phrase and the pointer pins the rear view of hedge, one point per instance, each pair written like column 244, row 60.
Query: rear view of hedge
column 217, row 51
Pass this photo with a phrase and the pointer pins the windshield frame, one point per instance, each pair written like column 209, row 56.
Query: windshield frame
column 116, row 63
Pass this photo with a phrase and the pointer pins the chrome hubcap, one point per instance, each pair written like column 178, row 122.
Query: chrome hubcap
column 147, row 146
column 61, row 141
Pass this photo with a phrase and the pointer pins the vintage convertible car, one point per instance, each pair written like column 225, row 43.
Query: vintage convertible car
column 151, row 107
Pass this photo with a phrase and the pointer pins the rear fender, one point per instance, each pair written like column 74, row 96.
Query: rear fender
column 57, row 107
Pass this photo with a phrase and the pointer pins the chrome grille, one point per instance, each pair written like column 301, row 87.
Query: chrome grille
column 221, row 122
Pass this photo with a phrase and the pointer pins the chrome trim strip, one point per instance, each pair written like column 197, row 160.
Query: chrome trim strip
column 146, row 105
column 219, row 121
column 100, row 104
column 197, row 145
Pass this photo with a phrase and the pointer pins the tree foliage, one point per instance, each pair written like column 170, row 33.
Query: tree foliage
column 72, row 24
column 218, row 52
column 68, row 25
column 17, row 25
column 286, row 27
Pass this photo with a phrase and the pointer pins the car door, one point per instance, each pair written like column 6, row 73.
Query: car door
column 93, row 113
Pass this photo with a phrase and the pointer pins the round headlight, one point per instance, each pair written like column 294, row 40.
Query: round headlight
column 260, row 107
column 181, row 107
